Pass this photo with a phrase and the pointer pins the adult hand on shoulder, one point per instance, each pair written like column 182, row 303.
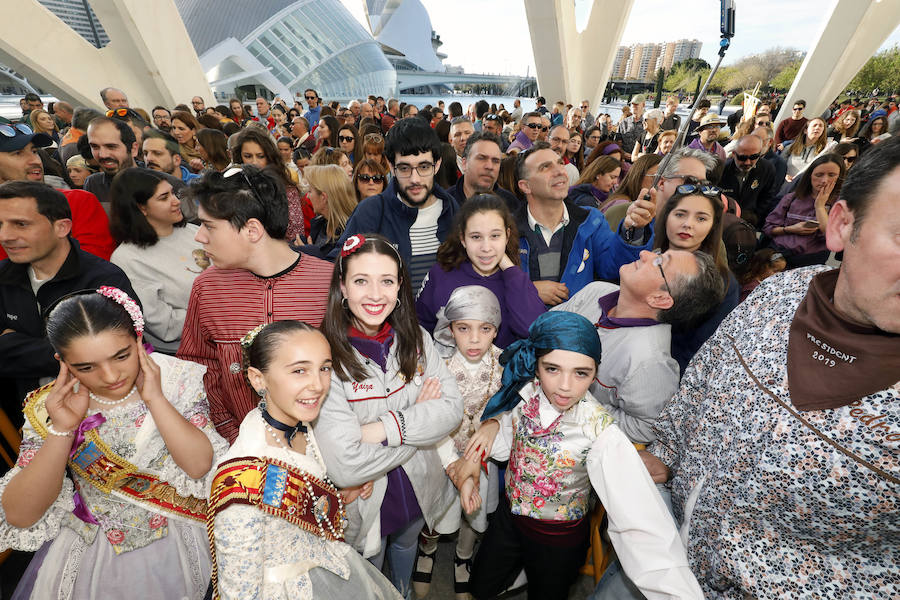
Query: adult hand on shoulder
column 552, row 292
column 641, row 211
column 659, row 472
column 65, row 404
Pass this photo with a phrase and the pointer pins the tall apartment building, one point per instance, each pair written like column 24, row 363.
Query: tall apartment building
column 78, row 15
column 641, row 61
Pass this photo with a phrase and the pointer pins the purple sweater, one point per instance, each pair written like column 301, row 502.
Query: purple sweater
column 511, row 286
column 791, row 210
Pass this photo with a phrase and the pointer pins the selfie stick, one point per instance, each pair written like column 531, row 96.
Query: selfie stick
column 726, row 26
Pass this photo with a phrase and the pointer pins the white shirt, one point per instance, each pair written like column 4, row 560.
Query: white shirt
column 548, row 233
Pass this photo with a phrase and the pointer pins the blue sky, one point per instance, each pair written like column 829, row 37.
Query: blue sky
column 492, row 36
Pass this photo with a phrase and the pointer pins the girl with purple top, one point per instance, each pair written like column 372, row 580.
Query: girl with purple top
column 482, row 249
column 374, row 425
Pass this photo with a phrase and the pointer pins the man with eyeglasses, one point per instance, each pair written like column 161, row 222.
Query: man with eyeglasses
column 528, row 134
column 480, row 170
column 162, row 118
column 750, row 180
column 587, row 119
column 199, row 105
column 632, row 128
column 559, row 140
column 791, row 127
column 412, row 212
column 315, row 107
column 20, row 160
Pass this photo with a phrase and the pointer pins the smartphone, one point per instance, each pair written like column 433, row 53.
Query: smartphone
column 811, row 224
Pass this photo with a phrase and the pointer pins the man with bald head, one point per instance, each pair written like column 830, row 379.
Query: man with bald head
column 114, row 98
column 750, row 180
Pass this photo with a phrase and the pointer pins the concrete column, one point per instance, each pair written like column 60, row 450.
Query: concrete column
column 150, row 55
column 851, row 35
column 575, row 66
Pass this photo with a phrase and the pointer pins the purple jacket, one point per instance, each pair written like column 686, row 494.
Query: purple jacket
column 793, row 209
column 521, row 143
column 512, row 287
column 717, row 150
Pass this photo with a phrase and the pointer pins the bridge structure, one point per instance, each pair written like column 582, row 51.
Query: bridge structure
column 516, row 85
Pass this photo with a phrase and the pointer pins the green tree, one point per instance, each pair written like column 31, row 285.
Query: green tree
column 785, row 78
column 882, row 71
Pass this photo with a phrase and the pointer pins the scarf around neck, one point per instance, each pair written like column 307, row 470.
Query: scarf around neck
column 375, row 347
column 832, row 362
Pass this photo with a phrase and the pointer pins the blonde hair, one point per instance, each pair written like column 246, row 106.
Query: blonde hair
column 33, row 118
column 339, row 194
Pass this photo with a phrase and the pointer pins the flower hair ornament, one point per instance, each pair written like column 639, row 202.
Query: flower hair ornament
column 130, row 306
column 248, row 338
column 357, row 241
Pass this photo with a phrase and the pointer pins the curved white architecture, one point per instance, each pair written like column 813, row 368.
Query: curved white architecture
column 404, row 25
column 286, row 46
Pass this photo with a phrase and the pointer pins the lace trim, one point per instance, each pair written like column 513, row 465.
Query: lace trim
column 71, row 568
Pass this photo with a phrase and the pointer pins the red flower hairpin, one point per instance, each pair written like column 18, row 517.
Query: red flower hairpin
column 352, row 244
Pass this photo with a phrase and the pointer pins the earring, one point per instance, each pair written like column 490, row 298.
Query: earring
column 344, row 303
column 398, row 302
column 262, row 399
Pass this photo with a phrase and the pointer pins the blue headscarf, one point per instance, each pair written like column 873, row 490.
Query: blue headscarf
column 554, row 330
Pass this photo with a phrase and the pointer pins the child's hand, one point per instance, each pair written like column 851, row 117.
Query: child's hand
column 431, row 390
column 149, row 379
column 482, row 441
column 469, row 497
column 505, row 263
column 461, row 469
column 65, row 405
column 372, row 433
column 350, row 494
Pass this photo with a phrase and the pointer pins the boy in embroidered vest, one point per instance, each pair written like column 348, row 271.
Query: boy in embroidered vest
column 114, row 468
column 560, row 443
column 276, row 520
column 466, row 328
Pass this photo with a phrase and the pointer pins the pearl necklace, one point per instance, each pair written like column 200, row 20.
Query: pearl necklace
column 99, row 400
column 309, row 445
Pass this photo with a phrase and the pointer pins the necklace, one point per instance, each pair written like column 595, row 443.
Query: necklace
column 99, row 400
column 289, row 430
column 309, row 445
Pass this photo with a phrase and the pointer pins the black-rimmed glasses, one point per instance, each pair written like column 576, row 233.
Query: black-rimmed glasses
column 658, row 261
column 346, row 138
column 423, row 169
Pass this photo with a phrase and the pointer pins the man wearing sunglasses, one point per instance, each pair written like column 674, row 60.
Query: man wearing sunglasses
column 750, row 180
column 315, row 108
column 531, row 128
column 791, row 127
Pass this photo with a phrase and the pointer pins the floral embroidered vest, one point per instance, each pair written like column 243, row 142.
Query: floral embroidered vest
column 547, row 476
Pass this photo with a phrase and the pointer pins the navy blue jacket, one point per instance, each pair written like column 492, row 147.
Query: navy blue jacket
column 459, row 195
column 387, row 215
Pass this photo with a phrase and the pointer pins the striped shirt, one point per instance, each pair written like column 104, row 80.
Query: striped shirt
column 424, row 241
column 227, row 303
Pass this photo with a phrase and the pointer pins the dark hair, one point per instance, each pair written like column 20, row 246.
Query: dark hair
column 229, row 129
column 801, row 103
column 711, row 244
column 694, row 296
column 531, row 115
column 51, row 203
column 481, row 136
column 451, row 253
column 632, row 184
column 408, row 335
column 300, row 152
column 209, row 121
column 126, row 133
column 259, row 354
column 442, row 129
column 32, row 97
column 804, row 186
column 521, row 157
column 481, row 108
column 215, row 144
column 171, row 143
column 131, row 188
column 601, row 166
column 507, row 177
column 274, row 160
column 411, row 136
column 373, row 166
column 333, row 127
column 845, row 148
column 864, row 182
column 224, row 110
column 257, row 195
column 86, row 314
column 541, row 100
column 82, row 117
column 705, row 103
column 158, row 107
column 455, row 109
column 357, row 140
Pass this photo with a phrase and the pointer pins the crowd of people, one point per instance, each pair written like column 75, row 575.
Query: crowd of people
column 257, row 351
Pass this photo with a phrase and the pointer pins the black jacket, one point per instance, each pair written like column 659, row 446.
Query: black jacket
column 460, row 196
column 25, row 354
column 757, row 195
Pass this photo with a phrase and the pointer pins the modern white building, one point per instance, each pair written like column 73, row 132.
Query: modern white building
column 286, row 46
column 403, row 27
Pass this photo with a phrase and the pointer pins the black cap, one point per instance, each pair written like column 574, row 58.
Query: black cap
column 16, row 136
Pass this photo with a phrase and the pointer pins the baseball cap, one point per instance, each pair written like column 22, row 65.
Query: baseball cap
column 15, row 136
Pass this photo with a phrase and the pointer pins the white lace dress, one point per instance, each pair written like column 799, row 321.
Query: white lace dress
column 134, row 552
column 263, row 557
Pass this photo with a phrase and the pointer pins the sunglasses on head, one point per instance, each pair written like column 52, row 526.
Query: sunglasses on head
column 239, row 170
column 743, row 157
column 370, row 178
column 10, row 130
column 373, row 137
column 491, row 117
column 710, row 191
column 346, row 138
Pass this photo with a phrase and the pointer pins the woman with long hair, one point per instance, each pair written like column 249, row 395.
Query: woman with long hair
column 369, row 178
column 43, row 122
column 807, row 147
column 333, row 200
column 482, row 248
column 327, row 132
column 350, row 142
column 846, row 126
column 639, row 176
column 596, row 183
column 147, row 223
column 333, row 156
column 574, row 153
column 212, row 145
column 253, row 146
column 875, row 127
column 691, row 220
column 237, row 111
column 392, row 399
column 648, row 142
column 184, row 129
column 797, row 224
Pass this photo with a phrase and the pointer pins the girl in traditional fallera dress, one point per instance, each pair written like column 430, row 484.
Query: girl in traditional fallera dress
column 392, row 399
column 560, row 443
column 464, row 336
column 277, row 519
column 113, row 471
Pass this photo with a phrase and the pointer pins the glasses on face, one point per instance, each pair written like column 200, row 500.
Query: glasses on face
column 535, row 126
column 309, row 98
column 850, row 159
column 10, row 130
column 710, row 191
column 346, row 138
column 370, row 178
column 423, row 169
column 746, row 157
column 584, row 107
column 239, row 170
column 658, row 261
column 559, row 140
column 798, row 108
